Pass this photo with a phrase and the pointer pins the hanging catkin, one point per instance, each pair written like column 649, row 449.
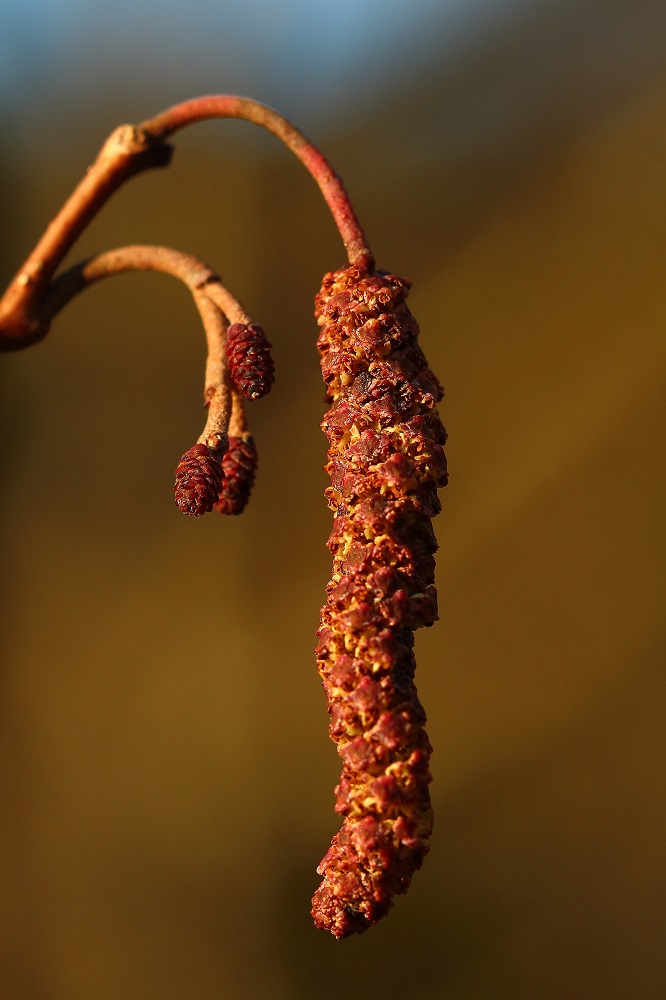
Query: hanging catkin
column 385, row 462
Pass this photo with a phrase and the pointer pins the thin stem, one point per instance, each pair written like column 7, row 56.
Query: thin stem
column 217, row 391
column 136, row 257
column 238, row 422
column 216, row 305
column 330, row 184
column 227, row 303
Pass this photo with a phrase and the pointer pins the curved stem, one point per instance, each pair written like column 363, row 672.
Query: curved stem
column 215, row 303
column 230, row 106
column 136, row 257
column 227, row 303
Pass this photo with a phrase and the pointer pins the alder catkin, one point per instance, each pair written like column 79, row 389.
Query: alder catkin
column 249, row 358
column 198, row 480
column 385, row 462
column 239, row 466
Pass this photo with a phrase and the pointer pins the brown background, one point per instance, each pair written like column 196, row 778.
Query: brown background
column 166, row 774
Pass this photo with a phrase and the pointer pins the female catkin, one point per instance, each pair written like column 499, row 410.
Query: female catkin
column 239, row 466
column 385, row 463
column 199, row 478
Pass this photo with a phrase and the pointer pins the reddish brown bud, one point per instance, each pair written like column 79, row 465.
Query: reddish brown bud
column 239, row 466
column 249, row 357
column 198, row 480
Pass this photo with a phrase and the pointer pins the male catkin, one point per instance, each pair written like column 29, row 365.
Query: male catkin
column 385, row 462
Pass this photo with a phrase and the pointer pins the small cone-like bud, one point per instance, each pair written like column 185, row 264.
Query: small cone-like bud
column 249, row 358
column 198, row 480
column 239, row 466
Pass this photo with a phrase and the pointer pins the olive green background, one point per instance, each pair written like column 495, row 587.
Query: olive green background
column 166, row 773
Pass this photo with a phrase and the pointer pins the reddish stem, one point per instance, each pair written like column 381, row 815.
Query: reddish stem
column 230, row 106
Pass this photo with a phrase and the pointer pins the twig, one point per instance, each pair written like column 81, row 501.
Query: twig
column 28, row 306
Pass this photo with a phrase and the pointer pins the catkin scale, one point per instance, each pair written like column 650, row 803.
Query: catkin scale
column 385, row 462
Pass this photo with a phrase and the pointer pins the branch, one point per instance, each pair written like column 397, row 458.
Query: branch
column 29, row 304
column 330, row 184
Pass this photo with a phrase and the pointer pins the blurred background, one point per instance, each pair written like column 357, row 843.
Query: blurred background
column 165, row 768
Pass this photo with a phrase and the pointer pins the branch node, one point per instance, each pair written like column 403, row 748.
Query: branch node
column 137, row 147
